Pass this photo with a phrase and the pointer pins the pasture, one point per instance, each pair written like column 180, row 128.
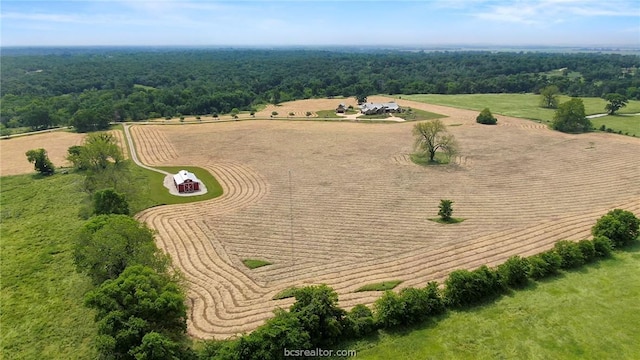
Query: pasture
column 526, row 106
column 355, row 210
column 590, row 313
column 42, row 312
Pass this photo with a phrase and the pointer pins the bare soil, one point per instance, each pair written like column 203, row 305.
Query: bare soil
column 12, row 150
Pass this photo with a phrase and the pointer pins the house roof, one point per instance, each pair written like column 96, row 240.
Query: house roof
column 376, row 106
column 183, row 175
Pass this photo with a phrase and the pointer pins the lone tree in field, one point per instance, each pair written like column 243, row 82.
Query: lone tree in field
column 616, row 102
column 432, row 136
column 41, row 161
column 485, row 117
column 549, row 97
column 446, row 210
column 570, row 117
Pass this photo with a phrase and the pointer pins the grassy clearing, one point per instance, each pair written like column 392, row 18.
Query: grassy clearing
column 418, row 115
column 625, row 123
column 255, row 263
column 591, row 313
column 423, row 159
column 382, row 286
column 327, row 114
column 286, row 293
column 42, row 313
column 516, row 105
column 450, row 221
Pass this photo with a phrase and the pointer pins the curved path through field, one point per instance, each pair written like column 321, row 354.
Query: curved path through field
column 360, row 208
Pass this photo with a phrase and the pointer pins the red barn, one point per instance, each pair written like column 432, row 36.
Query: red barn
column 186, row 182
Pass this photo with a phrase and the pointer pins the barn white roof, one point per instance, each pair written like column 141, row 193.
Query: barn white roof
column 184, row 175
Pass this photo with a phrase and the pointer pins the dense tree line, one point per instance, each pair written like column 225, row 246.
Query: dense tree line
column 90, row 88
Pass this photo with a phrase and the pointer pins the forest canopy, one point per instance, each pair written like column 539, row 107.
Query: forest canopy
column 43, row 89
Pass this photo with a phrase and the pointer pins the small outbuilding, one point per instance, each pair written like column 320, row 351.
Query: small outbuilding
column 186, row 182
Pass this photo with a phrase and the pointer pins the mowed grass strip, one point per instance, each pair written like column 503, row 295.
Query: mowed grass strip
column 43, row 316
column 418, row 115
column 517, row 105
column 255, row 263
column 328, row 114
column 286, row 293
column 627, row 124
column 381, row 286
column 591, row 313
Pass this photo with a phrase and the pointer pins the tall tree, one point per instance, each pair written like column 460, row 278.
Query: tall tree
column 432, row 136
column 616, row 102
column 41, row 161
column 99, row 151
column 108, row 201
column 318, row 311
column 134, row 306
column 549, row 97
column 107, row 244
column 570, row 117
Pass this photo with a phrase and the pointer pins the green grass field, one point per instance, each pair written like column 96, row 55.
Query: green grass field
column 521, row 105
column 255, row 263
column 382, row 286
column 42, row 313
column 591, row 313
column 627, row 123
column 419, row 115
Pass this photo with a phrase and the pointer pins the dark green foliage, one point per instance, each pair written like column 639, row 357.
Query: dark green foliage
column 284, row 331
column 616, row 102
column 359, row 322
column 92, row 119
column 93, row 87
column 587, row 249
column 570, row 117
column 389, row 310
column 99, row 152
column 416, row 305
column 436, row 302
column 544, row 264
column 319, row 314
column 485, row 117
column 602, row 246
column 108, row 201
column 465, row 288
column 41, row 161
column 570, row 253
column 445, row 210
column 156, row 346
column 514, row 272
column 37, row 116
column 420, row 304
column 108, row 244
column 620, row 226
column 136, row 304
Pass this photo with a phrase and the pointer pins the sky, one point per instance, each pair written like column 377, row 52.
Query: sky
column 320, row 23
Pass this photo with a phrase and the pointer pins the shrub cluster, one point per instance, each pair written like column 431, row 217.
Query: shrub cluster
column 620, row 226
column 485, row 117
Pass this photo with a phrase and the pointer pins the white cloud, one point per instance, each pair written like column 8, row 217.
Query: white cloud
column 555, row 11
